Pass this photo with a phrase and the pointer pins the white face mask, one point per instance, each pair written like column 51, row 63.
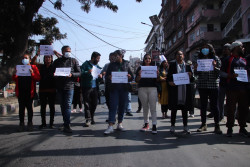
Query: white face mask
column 25, row 61
column 67, row 54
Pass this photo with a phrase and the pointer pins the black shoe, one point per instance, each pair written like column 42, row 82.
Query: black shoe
column 30, row 126
column 21, row 127
column 42, row 126
column 210, row 115
column 154, row 129
column 202, row 128
column 129, row 114
column 244, row 132
column 92, row 122
column 67, row 129
column 230, row 132
column 138, row 111
column 217, row 130
column 51, row 126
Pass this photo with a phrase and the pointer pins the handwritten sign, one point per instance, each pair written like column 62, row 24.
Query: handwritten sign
column 148, row 71
column 242, row 75
column 205, row 65
column 62, row 72
column 95, row 72
column 23, row 70
column 119, row 77
column 181, row 78
column 46, row 50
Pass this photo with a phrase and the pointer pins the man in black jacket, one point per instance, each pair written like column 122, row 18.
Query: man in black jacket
column 65, row 84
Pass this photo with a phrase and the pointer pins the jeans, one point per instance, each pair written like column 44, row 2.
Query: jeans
column 47, row 98
column 221, row 98
column 234, row 97
column 27, row 102
column 90, row 98
column 148, row 97
column 66, row 97
column 184, row 117
column 212, row 96
column 118, row 103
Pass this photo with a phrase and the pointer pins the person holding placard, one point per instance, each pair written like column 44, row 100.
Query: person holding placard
column 25, row 90
column 236, row 88
column 163, row 88
column 66, row 69
column 208, row 84
column 90, row 78
column 119, row 74
column 147, row 92
column 47, row 88
column 180, row 95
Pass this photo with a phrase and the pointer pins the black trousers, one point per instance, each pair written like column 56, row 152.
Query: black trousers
column 27, row 102
column 77, row 98
column 90, row 98
column 184, row 116
column 47, row 98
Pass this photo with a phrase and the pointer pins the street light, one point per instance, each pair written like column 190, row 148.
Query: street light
column 146, row 24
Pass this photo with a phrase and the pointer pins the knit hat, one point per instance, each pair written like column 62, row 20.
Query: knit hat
column 235, row 44
column 162, row 58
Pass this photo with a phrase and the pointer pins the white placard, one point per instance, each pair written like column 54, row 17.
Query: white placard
column 23, row 70
column 62, row 72
column 119, row 77
column 148, row 71
column 205, row 65
column 95, row 72
column 242, row 75
column 181, row 78
column 46, row 50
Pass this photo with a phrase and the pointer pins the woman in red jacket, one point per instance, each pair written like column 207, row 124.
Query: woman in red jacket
column 25, row 91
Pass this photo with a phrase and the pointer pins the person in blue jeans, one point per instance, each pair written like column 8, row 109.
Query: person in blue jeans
column 118, row 91
column 129, row 108
column 65, row 84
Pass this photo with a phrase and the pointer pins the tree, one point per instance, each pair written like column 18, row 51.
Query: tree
column 20, row 21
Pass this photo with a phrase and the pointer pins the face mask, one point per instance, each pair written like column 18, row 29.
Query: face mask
column 205, row 51
column 67, row 54
column 95, row 62
column 25, row 61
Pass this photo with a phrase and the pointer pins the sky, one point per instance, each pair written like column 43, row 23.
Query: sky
column 122, row 29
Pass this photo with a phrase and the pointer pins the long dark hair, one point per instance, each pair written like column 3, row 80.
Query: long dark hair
column 143, row 62
column 211, row 54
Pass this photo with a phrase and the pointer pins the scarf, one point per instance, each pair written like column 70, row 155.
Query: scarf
column 181, row 88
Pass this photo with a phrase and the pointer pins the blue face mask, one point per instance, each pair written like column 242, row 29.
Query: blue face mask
column 205, row 51
column 25, row 61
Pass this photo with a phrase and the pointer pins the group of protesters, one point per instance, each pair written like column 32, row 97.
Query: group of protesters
column 82, row 85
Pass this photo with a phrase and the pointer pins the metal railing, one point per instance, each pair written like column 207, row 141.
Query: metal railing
column 224, row 5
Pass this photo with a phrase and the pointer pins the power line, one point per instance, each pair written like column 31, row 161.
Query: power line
column 93, row 33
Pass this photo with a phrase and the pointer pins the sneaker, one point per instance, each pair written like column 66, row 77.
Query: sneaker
column 92, row 122
column 145, row 127
column 202, row 128
column 73, row 111
column 61, row 128
column 87, row 123
column 186, row 130
column 51, row 126
column 67, row 129
column 42, row 126
column 191, row 115
column 244, row 132
column 80, row 110
column 230, row 132
column 120, row 127
column 30, row 127
column 154, row 129
column 217, row 129
column 109, row 130
column 129, row 114
column 172, row 129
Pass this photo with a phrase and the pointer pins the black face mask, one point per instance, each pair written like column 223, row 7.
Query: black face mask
column 95, row 62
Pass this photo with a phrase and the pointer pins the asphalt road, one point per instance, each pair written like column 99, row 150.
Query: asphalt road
column 88, row 146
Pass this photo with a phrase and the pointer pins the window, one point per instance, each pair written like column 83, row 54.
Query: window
column 174, row 39
column 165, row 2
column 248, row 25
column 210, row 27
column 192, row 37
column 179, row 34
column 177, row 2
column 191, row 18
column 198, row 32
column 170, row 43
